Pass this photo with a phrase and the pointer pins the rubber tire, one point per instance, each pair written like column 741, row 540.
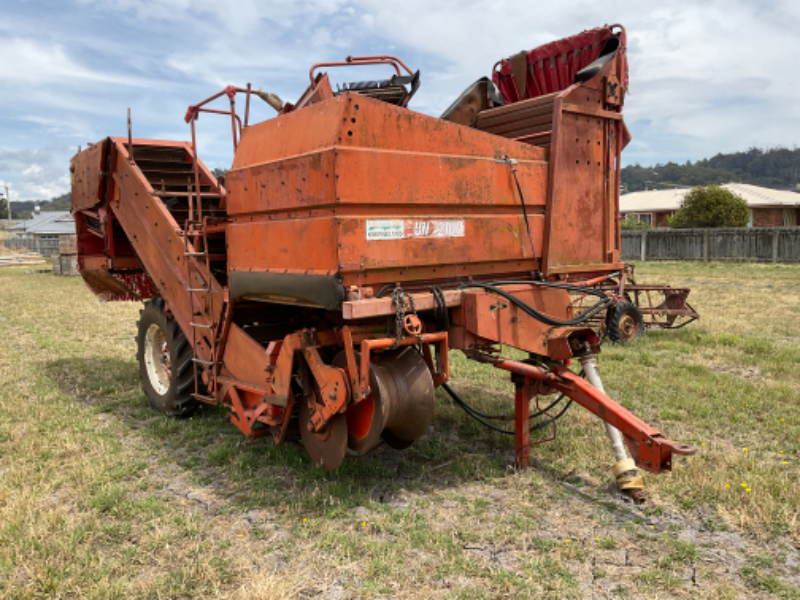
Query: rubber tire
column 615, row 334
column 178, row 400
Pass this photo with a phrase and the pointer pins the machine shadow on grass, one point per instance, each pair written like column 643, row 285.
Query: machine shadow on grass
column 258, row 473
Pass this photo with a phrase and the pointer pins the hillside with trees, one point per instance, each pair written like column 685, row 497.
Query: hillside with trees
column 777, row 168
column 22, row 209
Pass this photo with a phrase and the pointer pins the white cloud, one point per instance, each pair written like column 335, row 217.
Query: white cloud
column 39, row 172
column 28, row 61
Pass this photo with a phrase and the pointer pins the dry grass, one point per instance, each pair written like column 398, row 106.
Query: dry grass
column 102, row 498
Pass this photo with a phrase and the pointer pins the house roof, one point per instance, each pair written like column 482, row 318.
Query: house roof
column 53, row 222
column 669, row 200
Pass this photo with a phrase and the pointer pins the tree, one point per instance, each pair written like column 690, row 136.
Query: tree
column 711, row 206
column 775, row 168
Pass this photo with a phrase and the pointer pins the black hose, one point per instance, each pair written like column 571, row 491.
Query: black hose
column 479, row 416
column 441, row 312
column 604, row 303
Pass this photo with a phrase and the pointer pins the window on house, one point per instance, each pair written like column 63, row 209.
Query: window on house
column 646, row 218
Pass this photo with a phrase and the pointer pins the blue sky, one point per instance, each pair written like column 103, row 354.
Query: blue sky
column 706, row 76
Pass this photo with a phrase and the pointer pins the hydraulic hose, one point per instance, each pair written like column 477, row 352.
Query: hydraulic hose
column 479, row 416
column 604, row 303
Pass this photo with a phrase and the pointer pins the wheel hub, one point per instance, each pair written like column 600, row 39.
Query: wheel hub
column 157, row 360
column 628, row 327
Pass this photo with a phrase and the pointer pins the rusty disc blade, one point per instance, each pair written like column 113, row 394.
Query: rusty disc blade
column 326, row 447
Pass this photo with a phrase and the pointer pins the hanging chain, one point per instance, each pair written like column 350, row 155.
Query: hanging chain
column 399, row 300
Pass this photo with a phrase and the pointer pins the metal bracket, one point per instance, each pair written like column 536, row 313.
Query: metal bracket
column 333, row 389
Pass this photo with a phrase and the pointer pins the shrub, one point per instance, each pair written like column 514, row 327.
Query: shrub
column 711, row 206
column 633, row 223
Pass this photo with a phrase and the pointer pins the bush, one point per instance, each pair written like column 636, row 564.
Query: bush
column 711, row 206
column 633, row 223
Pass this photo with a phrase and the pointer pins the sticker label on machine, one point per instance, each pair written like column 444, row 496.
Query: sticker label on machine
column 402, row 229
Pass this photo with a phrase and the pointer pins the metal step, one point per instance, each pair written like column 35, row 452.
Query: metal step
column 204, row 362
column 206, row 399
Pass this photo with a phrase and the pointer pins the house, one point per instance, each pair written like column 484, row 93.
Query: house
column 768, row 208
column 41, row 233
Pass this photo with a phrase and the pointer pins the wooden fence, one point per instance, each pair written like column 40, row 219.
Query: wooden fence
column 44, row 246
column 744, row 244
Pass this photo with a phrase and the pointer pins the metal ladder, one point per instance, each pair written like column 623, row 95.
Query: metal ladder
column 198, row 251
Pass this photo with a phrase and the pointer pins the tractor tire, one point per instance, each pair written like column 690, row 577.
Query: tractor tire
column 165, row 361
column 625, row 323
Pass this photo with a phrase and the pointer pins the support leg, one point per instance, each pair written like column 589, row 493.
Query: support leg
column 522, row 411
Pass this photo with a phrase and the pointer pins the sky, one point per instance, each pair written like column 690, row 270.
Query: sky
column 706, row 76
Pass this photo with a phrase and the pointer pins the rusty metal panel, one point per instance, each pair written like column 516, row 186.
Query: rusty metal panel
column 246, row 360
column 484, row 239
column 300, row 132
column 299, row 183
column 369, row 123
column 86, row 175
column 401, row 179
column 309, row 187
column 295, row 244
column 494, row 318
column 578, row 216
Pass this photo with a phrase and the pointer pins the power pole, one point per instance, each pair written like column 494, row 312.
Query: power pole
column 8, row 205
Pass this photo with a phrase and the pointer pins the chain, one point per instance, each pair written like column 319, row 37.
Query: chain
column 399, row 300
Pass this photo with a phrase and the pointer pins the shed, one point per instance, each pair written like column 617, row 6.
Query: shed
column 42, row 232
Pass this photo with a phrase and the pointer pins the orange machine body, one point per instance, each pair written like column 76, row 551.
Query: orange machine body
column 349, row 208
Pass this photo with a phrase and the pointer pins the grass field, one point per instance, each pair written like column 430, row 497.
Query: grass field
column 102, row 498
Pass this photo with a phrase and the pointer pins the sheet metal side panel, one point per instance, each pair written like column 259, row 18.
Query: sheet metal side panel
column 86, row 170
column 494, row 318
column 576, row 211
column 387, row 178
column 372, row 177
column 488, row 239
column 299, row 183
column 287, row 244
column 352, row 120
column 300, row 132
column 370, row 123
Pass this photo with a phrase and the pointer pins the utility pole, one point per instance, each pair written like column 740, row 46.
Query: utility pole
column 8, row 205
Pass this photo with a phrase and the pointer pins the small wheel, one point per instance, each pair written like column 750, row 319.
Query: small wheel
column 165, row 361
column 625, row 323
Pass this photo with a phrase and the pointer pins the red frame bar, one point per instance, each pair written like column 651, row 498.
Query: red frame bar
column 352, row 61
column 650, row 449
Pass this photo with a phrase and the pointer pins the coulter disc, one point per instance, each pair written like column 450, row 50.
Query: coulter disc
column 326, row 447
